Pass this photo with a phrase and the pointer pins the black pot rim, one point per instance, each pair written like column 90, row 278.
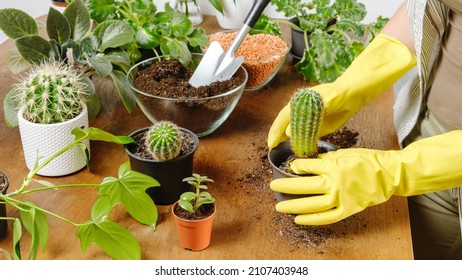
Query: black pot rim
column 7, row 183
column 142, row 130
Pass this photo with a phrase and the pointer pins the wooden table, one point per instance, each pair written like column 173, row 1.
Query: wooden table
column 247, row 226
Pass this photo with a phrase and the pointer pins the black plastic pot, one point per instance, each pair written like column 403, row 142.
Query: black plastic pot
column 4, row 184
column 279, row 155
column 169, row 174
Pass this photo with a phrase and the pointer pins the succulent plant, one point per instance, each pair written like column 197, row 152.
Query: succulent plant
column 306, row 111
column 52, row 92
column 164, row 141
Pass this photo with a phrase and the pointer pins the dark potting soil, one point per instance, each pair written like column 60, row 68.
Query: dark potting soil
column 202, row 212
column 140, row 150
column 170, row 79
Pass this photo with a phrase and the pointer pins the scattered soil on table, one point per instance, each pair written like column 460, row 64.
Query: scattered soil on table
column 140, row 150
column 170, row 79
column 283, row 225
column 202, row 212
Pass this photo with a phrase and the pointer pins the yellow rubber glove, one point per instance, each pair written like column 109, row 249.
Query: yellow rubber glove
column 349, row 180
column 381, row 64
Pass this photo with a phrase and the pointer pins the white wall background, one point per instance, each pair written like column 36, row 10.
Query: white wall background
column 37, row 8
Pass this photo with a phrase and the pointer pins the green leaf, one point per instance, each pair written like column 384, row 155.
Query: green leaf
column 79, row 19
column 89, row 46
column 17, row 234
column 217, row 5
column 187, row 196
column 123, row 89
column 130, row 190
column 177, row 49
column 16, row 63
column 186, row 205
column 118, row 57
column 101, row 10
column 16, row 23
column 93, row 133
column 101, row 209
column 10, row 111
column 58, row 28
column 101, row 65
column 33, row 48
column 181, row 26
column 198, row 38
column 112, row 238
column 113, row 34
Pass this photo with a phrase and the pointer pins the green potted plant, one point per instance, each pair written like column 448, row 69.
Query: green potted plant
column 47, row 104
column 166, row 152
column 128, row 189
column 194, row 213
column 71, row 38
column 160, row 32
column 326, row 35
column 306, row 111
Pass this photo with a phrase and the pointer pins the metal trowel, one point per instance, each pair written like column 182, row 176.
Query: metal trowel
column 218, row 65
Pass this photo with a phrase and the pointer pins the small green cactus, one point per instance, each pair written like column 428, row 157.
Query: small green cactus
column 306, row 111
column 164, row 141
column 53, row 92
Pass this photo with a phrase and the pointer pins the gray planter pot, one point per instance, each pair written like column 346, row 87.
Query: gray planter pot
column 280, row 154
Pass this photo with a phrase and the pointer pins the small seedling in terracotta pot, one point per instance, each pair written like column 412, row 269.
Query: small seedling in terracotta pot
column 194, row 214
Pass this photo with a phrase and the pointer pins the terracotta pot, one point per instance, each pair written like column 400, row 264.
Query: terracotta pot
column 194, row 235
column 169, row 174
column 4, row 184
column 43, row 140
column 280, row 154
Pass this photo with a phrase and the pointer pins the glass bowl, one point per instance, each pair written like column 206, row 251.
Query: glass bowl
column 201, row 115
column 264, row 55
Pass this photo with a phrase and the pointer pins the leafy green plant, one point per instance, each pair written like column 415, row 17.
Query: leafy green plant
column 166, row 33
column 128, row 189
column 70, row 38
column 306, row 111
column 329, row 28
column 191, row 201
column 52, row 92
column 163, row 141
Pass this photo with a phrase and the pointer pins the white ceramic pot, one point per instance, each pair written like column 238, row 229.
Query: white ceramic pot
column 43, row 140
column 234, row 14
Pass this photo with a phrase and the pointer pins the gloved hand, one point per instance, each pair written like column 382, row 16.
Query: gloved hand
column 382, row 63
column 349, row 180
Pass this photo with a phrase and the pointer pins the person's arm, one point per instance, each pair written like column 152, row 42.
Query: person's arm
column 386, row 59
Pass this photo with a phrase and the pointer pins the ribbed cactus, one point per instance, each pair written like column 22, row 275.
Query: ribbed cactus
column 164, row 141
column 52, row 92
column 306, row 111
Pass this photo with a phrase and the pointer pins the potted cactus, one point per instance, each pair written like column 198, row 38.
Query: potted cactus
column 50, row 102
column 194, row 213
column 166, row 152
column 306, row 111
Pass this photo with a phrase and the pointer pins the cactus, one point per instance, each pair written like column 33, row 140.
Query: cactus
column 164, row 141
column 306, row 111
column 52, row 92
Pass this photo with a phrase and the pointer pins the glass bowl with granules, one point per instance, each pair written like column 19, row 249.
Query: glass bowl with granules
column 264, row 55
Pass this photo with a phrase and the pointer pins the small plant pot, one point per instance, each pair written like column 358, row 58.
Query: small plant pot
column 169, row 174
column 194, row 235
column 43, row 140
column 4, row 184
column 278, row 155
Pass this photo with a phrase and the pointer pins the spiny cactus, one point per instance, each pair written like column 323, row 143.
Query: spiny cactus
column 164, row 141
column 306, row 111
column 52, row 92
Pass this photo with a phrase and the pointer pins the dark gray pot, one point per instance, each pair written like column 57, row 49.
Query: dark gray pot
column 280, row 154
column 3, row 223
column 169, row 174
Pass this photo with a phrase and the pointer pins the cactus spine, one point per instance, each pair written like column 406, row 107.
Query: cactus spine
column 164, row 141
column 52, row 92
column 306, row 111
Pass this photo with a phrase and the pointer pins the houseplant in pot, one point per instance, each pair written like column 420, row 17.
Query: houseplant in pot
column 166, row 152
column 194, row 213
column 326, row 35
column 50, row 102
column 306, row 111
column 70, row 37
column 127, row 190
column 4, row 184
